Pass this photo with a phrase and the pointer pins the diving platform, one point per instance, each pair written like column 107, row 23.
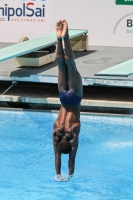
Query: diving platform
column 41, row 50
column 116, row 61
column 123, row 69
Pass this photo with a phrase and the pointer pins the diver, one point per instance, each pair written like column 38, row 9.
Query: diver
column 67, row 124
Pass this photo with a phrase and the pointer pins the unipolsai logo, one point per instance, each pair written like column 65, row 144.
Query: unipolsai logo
column 23, row 11
column 124, row 2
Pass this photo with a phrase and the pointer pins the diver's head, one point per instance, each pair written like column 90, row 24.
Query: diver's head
column 64, row 146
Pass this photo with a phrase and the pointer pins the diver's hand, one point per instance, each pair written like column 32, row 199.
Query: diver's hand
column 68, row 178
column 59, row 178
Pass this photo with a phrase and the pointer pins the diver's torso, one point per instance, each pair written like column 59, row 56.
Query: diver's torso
column 68, row 122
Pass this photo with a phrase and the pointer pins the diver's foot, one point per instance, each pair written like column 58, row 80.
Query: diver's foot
column 59, row 28
column 64, row 34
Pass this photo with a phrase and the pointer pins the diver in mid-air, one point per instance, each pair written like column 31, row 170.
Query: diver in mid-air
column 67, row 125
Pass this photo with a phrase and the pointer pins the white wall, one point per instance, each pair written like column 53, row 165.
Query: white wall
column 100, row 17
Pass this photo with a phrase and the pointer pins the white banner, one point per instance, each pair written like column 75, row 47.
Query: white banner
column 109, row 22
column 106, row 20
column 23, row 17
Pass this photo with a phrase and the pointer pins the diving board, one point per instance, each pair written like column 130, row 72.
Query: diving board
column 35, row 44
column 123, row 69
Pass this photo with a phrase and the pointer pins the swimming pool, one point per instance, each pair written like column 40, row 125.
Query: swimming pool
column 104, row 162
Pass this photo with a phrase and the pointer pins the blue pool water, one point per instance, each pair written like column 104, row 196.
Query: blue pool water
column 104, row 162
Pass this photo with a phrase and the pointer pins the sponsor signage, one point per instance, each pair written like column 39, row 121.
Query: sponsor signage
column 27, row 10
column 24, row 17
column 124, row 2
column 125, row 25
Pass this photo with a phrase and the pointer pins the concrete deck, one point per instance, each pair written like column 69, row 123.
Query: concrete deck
column 88, row 63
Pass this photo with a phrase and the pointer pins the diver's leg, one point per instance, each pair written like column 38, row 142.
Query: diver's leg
column 74, row 78
column 62, row 71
